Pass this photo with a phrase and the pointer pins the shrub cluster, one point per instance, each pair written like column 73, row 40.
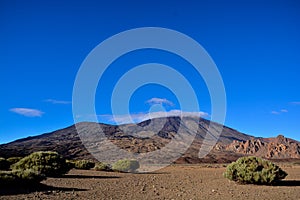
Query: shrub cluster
column 13, row 160
column 70, row 164
column 84, row 164
column 37, row 166
column 126, row 165
column 254, row 170
column 102, row 167
column 20, row 177
column 48, row 163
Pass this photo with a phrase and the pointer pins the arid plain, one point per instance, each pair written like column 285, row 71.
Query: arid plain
column 174, row 182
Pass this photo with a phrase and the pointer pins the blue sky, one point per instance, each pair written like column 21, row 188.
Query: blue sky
column 255, row 45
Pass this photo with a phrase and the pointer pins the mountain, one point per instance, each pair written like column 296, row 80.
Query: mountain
column 152, row 135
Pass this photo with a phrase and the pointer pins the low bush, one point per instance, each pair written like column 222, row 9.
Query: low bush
column 70, row 164
column 51, row 164
column 253, row 170
column 20, row 177
column 102, row 167
column 84, row 164
column 126, row 165
column 13, row 160
column 4, row 165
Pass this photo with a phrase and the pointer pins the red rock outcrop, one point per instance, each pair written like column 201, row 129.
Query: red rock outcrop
column 272, row 148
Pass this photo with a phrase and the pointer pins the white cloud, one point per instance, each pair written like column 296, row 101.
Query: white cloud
column 54, row 101
column 136, row 118
column 279, row 112
column 160, row 101
column 275, row 112
column 27, row 112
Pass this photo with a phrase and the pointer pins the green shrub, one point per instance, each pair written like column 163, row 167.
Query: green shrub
column 13, row 160
column 7, row 177
column 20, row 177
column 70, row 164
column 84, row 164
column 4, row 165
column 254, row 170
column 126, row 165
column 102, row 167
column 49, row 163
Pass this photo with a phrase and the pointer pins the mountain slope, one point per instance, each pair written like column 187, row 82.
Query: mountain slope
column 154, row 134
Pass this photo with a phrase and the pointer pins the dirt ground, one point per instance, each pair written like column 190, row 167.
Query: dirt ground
column 173, row 182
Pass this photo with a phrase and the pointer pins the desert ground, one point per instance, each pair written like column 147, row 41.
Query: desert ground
column 173, row 182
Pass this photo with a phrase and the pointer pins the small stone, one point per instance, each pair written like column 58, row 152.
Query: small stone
column 143, row 188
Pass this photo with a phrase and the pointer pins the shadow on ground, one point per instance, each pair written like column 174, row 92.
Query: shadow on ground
column 84, row 176
column 15, row 189
column 288, row 183
column 153, row 173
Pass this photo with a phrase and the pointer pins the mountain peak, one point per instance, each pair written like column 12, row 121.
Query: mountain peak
column 131, row 137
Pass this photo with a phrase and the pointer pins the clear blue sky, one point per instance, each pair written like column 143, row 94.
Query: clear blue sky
column 255, row 44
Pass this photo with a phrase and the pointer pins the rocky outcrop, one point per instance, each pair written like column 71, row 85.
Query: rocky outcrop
column 272, row 148
column 246, row 147
column 282, row 147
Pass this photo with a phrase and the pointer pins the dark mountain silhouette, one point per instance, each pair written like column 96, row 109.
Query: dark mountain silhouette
column 154, row 134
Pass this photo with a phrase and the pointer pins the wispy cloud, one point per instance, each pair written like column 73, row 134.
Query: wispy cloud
column 27, row 112
column 139, row 117
column 295, row 103
column 275, row 112
column 54, row 101
column 156, row 100
column 279, row 112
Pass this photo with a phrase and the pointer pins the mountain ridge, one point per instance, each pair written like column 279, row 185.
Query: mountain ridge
column 230, row 145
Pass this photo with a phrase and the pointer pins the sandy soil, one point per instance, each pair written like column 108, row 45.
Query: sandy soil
column 173, row 182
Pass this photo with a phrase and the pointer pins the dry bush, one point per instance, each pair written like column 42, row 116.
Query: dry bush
column 20, row 177
column 51, row 164
column 102, row 167
column 126, row 165
column 84, row 164
column 253, row 170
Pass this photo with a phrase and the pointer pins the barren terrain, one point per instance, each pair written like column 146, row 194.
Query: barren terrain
column 85, row 142
column 173, row 182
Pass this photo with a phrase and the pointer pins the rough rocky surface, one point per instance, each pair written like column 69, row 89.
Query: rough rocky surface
column 272, row 148
column 174, row 182
column 152, row 135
